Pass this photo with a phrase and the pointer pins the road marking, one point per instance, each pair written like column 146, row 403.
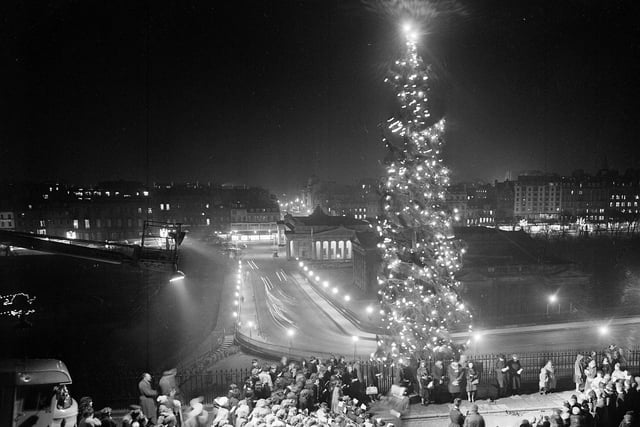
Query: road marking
column 284, row 275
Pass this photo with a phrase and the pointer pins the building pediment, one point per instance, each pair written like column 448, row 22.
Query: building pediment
column 340, row 232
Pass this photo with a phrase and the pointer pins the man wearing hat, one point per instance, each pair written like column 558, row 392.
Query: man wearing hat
column 473, row 419
column 147, row 397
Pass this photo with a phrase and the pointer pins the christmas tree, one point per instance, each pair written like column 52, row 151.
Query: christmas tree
column 420, row 256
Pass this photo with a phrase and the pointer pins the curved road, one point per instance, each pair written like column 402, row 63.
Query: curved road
column 282, row 304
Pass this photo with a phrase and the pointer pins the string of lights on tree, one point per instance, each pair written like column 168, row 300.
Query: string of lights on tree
column 17, row 305
column 419, row 297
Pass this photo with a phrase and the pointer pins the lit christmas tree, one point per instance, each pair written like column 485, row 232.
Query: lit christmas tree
column 418, row 289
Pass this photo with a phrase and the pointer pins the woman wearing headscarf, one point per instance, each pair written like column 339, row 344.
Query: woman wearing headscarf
column 551, row 376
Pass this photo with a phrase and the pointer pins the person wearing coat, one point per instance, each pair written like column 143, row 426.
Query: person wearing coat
column 167, row 383
column 456, row 419
column 501, row 375
column 590, row 374
column 148, row 398
column 543, row 381
column 578, row 372
column 551, row 375
column 473, row 419
column 455, row 374
column 438, row 381
column 515, row 371
column 424, row 382
column 472, row 380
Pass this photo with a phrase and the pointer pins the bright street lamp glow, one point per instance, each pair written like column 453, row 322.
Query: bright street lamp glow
column 369, row 309
column 553, row 298
column 354, row 338
column 603, row 330
column 477, row 336
column 325, row 284
column 177, row 276
column 347, row 298
column 334, row 290
column 406, row 27
column 250, row 323
column 290, row 332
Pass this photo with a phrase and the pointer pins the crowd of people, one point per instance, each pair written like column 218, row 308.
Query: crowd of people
column 338, row 393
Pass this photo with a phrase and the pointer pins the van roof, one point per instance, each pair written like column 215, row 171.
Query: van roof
column 34, row 371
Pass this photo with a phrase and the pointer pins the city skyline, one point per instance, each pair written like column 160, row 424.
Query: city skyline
column 275, row 92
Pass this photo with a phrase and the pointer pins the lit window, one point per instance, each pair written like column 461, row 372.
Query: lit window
column 87, row 224
column 76, row 225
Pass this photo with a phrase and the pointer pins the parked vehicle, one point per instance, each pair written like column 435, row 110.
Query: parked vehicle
column 33, row 392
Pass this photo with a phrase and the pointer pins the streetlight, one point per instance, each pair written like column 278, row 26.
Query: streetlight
column 369, row 311
column 290, row 333
column 176, row 276
column 355, row 343
column 477, row 336
column 553, row 298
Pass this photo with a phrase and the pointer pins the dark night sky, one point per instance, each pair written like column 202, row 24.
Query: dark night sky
column 268, row 92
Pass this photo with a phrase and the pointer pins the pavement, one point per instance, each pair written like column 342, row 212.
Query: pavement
column 509, row 411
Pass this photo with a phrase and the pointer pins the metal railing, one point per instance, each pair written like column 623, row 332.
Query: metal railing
column 119, row 391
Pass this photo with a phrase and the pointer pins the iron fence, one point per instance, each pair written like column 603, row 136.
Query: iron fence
column 121, row 390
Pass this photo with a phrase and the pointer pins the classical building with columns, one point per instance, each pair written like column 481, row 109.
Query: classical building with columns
column 320, row 237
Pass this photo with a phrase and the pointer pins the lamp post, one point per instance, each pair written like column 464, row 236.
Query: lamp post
column 290, row 333
column 250, row 325
column 355, row 343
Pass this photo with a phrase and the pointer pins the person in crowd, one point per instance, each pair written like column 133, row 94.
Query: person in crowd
column 551, row 375
column 425, row 382
column 473, row 418
column 455, row 373
column 220, row 412
column 456, row 419
column 197, row 416
column 618, row 373
column 438, row 381
column 88, row 419
column 606, row 366
column 543, row 381
column 578, row 373
column 501, row 370
column 148, row 398
column 590, row 374
column 106, row 419
column 167, row 383
column 515, row 372
column 472, row 380
column 86, row 403
column 577, row 418
column 135, row 417
column 264, row 383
